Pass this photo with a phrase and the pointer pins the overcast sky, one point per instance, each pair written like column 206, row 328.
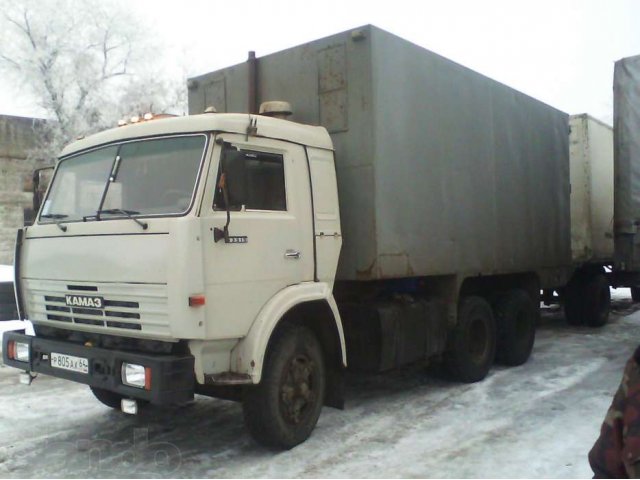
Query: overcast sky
column 560, row 52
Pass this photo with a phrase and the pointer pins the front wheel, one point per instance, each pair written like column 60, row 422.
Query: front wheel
column 108, row 398
column 635, row 294
column 112, row 399
column 283, row 409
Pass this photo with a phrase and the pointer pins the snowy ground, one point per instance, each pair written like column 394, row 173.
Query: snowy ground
column 538, row 420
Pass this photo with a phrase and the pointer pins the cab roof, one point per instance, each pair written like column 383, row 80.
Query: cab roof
column 208, row 122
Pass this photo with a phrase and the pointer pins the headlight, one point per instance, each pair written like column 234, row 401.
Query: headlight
column 136, row 376
column 18, row 351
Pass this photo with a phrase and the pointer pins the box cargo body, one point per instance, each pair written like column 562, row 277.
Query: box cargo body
column 626, row 124
column 440, row 169
column 591, row 154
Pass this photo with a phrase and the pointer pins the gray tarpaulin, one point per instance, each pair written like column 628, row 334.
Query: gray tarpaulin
column 626, row 87
column 440, row 170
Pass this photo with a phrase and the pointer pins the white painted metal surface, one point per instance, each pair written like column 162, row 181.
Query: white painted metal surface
column 591, row 154
column 145, row 276
column 208, row 122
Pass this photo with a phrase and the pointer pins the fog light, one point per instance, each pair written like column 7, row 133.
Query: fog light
column 18, row 351
column 129, row 406
column 136, row 376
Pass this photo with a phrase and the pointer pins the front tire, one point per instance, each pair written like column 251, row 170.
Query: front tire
column 635, row 294
column 472, row 344
column 282, row 411
column 108, row 398
column 112, row 399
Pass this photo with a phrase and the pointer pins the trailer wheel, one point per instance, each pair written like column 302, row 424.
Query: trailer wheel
column 573, row 308
column 597, row 301
column 283, row 409
column 635, row 294
column 472, row 344
column 588, row 300
column 516, row 318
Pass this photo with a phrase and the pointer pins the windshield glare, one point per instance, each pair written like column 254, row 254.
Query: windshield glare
column 152, row 177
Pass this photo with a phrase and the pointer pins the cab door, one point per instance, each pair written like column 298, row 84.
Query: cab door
column 269, row 241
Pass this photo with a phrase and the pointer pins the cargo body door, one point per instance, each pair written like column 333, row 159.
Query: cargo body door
column 269, row 241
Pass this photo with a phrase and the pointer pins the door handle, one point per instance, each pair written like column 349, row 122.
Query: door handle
column 293, row 254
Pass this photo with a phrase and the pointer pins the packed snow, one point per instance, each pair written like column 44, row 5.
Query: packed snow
column 538, row 420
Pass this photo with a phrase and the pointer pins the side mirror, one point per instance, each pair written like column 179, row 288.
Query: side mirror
column 41, row 180
column 232, row 185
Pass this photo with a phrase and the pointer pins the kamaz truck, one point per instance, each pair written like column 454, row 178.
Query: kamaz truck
column 356, row 202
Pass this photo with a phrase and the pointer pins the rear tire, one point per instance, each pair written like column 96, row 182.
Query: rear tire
column 516, row 319
column 635, row 294
column 597, row 301
column 472, row 344
column 283, row 409
column 573, row 307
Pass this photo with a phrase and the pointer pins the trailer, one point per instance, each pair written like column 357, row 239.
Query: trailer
column 356, row 202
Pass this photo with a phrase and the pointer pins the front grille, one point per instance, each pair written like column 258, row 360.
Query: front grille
column 127, row 307
column 86, row 311
column 93, row 316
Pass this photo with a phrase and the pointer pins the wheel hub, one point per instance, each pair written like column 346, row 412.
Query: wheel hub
column 296, row 390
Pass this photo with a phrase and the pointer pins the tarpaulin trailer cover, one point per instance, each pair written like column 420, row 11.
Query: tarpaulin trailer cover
column 626, row 125
column 441, row 170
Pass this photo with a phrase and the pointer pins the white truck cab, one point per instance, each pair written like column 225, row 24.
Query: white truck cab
column 170, row 256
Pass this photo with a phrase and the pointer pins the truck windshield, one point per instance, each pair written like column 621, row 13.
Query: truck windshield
column 145, row 177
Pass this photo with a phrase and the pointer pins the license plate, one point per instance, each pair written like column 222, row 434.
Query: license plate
column 69, row 362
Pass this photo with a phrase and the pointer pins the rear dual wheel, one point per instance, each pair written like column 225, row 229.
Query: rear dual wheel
column 516, row 318
column 506, row 333
column 472, row 343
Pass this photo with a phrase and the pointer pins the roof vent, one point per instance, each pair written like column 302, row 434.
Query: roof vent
column 210, row 109
column 276, row 109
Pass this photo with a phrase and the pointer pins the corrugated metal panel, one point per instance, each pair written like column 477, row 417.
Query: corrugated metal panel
column 332, row 88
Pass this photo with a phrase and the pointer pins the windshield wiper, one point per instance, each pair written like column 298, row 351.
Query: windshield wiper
column 127, row 213
column 56, row 216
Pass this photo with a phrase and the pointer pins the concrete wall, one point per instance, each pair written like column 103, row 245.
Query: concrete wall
column 17, row 137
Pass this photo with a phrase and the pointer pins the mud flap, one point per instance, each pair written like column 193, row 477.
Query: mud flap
column 334, row 396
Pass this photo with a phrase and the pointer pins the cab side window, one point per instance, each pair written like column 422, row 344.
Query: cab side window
column 253, row 180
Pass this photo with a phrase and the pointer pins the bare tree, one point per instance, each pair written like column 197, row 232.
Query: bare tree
column 87, row 63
